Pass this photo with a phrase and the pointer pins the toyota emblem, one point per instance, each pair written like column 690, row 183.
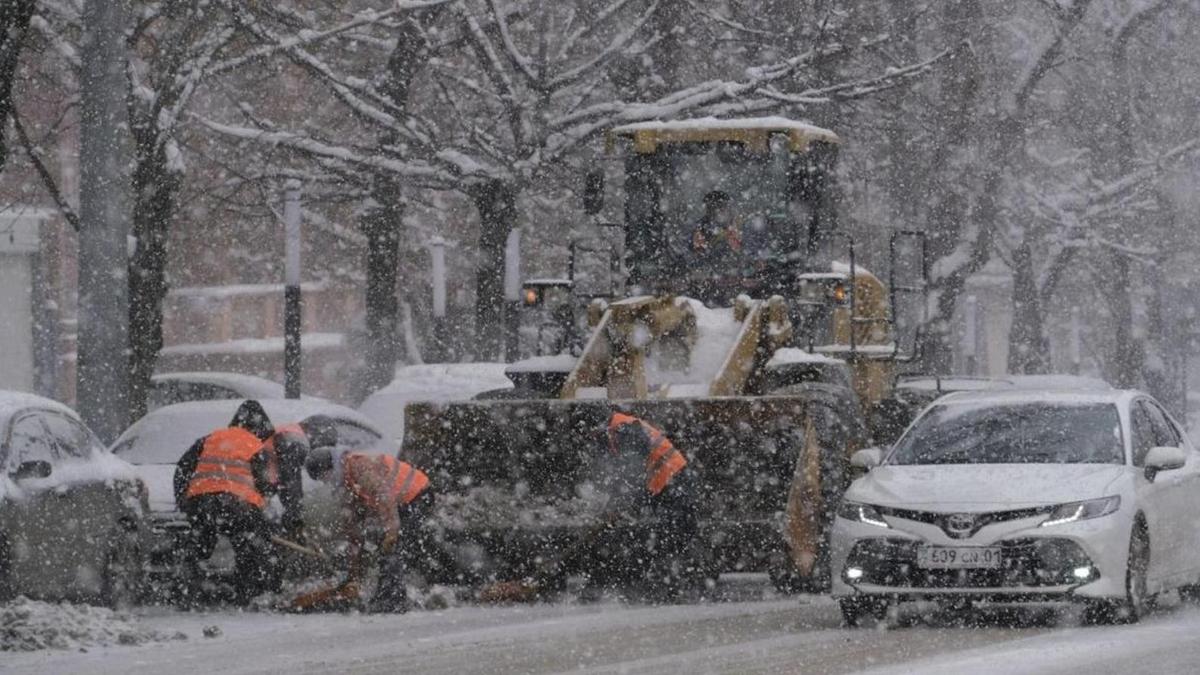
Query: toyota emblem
column 960, row 524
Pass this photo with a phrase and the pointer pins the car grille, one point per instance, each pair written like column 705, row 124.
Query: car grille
column 1030, row 562
column 977, row 520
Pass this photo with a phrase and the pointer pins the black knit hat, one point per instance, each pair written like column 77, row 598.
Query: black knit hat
column 251, row 417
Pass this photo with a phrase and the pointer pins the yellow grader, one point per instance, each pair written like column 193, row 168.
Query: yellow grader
column 765, row 385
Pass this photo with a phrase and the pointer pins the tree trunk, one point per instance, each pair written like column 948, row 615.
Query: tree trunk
column 1125, row 357
column 496, row 203
column 955, row 168
column 104, row 222
column 14, row 24
column 382, row 226
column 155, row 186
column 1028, row 351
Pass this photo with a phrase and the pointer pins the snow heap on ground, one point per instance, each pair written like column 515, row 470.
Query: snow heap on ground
column 29, row 625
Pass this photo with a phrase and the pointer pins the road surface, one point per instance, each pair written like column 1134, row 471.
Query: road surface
column 792, row 635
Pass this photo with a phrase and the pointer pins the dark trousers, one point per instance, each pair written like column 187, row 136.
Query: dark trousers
column 414, row 548
column 256, row 560
column 660, row 555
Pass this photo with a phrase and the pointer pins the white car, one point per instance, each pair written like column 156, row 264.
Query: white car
column 70, row 512
column 170, row 388
column 155, row 443
column 1088, row 497
column 430, row 382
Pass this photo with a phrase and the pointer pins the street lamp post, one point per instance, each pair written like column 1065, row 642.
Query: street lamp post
column 291, row 290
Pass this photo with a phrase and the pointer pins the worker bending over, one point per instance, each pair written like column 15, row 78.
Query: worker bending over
column 647, row 482
column 383, row 498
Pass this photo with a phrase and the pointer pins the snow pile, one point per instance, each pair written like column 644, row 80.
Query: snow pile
column 491, row 507
column 716, row 333
column 29, row 625
column 790, row 355
column 560, row 363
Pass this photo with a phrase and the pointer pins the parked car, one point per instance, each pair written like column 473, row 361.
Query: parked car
column 70, row 512
column 170, row 388
column 913, row 392
column 431, row 382
column 156, row 442
column 1088, row 497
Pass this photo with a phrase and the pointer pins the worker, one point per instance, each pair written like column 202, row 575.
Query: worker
column 645, row 477
column 220, row 483
column 287, row 449
column 716, row 234
column 382, row 498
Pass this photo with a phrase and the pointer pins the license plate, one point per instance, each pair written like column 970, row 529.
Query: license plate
column 958, row 557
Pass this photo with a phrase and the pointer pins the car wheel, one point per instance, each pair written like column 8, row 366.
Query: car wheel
column 121, row 585
column 1137, row 598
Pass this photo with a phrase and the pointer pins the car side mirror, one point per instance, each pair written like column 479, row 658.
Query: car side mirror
column 1163, row 458
column 593, row 192
column 36, row 468
column 867, row 458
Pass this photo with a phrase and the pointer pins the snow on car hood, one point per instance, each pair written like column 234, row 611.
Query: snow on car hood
column 981, row 487
column 98, row 467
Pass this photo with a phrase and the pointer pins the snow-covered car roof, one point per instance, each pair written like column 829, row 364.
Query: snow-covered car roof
column 164, row 434
column 250, row 386
column 1019, row 396
column 951, row 383
column 15, row 401
column 430, row 382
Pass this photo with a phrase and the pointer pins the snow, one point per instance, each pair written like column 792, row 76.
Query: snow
column 30, row 625
column 490, row 507
column 99, row 466
column 773, row 122
column 716, row 332
column 430, row 383
column 838, row 267
column 558, row 363
column 255, row 345
column 237, row 290
column 791, row 355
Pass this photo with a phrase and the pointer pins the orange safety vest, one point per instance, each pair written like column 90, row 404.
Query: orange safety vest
column 382, row 482
column 663, row 461
column 273, row 454
column 223, row 466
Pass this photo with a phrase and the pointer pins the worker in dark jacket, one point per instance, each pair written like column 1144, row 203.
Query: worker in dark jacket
column 383, row 499
column 286, row 450
column 221, row 484
column 646, row 478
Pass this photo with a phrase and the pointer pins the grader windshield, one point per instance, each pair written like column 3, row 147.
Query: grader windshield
column 733, row 199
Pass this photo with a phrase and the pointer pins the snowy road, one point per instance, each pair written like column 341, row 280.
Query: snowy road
column 776, row 636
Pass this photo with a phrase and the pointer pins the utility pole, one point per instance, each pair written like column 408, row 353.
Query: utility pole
column 291, row 290
column 437, row 255
column 512, row 295
column 102, row 350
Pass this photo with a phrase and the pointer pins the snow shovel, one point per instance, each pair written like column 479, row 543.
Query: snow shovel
column 528, row 589
column 300, row 548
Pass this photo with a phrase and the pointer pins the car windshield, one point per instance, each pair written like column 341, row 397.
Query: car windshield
column 1032, row 433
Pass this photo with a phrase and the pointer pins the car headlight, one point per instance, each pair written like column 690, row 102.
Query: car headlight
column 1075, row 511
column 861, row 513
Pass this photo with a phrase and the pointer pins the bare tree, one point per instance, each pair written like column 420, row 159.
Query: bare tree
column 14, row 25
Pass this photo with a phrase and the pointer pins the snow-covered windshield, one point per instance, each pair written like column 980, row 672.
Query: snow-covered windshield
column 1031, row 433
